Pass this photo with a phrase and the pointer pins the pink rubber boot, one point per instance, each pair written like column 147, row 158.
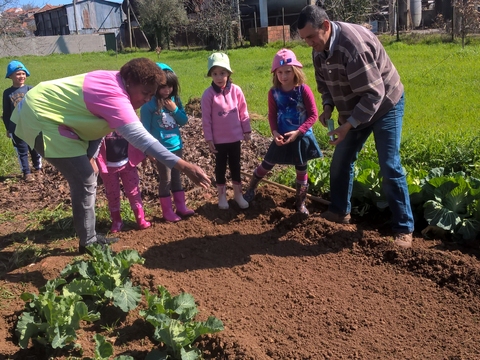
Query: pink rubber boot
column 140, row 218
column 167, row 210
column 117, row 223
column 180, row 205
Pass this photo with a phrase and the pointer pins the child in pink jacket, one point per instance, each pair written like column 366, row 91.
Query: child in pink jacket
column 118, row 160
column 225, row 123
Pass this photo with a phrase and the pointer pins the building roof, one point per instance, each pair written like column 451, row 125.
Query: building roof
column 49, row 7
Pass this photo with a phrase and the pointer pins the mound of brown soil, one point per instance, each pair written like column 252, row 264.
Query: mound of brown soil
column 285, row 286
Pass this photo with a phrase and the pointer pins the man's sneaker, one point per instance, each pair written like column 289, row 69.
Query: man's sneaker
column 101, row 239
column 336, row 218
column 28, row 177
column 403, row 240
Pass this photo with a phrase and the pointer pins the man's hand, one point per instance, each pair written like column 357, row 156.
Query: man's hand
column 325, row 115
column 340, row 132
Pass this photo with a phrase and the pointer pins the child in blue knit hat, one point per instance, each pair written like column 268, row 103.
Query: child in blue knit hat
column 17, row 72
column 163, row 116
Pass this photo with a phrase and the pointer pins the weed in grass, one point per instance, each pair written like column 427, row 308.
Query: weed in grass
column 22, row 255
column 27, row 253
column 60, row 217
column 109, row 329
column 7, row 216
column 5, row 294
column 262, row 127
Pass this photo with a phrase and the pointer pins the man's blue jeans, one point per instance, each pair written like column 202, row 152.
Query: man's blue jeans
column 387, row 133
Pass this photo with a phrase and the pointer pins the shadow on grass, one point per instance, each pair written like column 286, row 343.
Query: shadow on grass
column 45, row 231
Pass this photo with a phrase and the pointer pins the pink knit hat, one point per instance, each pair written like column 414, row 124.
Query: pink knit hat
column 285, row 57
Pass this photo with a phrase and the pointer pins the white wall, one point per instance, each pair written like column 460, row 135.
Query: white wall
column 46, row 45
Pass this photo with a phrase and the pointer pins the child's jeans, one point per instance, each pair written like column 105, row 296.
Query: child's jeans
column 22, row 149
column 130, row 180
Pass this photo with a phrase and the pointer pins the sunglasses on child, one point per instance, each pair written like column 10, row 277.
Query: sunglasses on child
column 287, row 61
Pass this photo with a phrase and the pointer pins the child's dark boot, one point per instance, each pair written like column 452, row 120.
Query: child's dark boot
column 300, row 198
column 250, row 193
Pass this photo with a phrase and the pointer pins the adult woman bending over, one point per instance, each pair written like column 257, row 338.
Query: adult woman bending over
column 65, row 120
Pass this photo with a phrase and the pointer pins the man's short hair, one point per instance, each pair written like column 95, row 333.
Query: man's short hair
column 312, row 14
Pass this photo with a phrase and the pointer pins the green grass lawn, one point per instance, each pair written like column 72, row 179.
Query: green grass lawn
column 441, row 81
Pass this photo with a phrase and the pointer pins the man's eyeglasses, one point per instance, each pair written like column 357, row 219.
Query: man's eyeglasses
column 287, row 61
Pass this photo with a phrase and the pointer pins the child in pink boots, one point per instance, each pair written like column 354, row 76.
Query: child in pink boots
column 118, row 160
column 162, row 117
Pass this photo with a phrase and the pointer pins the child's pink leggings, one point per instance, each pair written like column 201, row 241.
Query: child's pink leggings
column 130, row 180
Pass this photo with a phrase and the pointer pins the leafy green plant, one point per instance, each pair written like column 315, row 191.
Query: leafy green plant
column 455, row 206
column 416, row 180
column 173, row 320
column 319, row 176
column 50, row 318
column 104, row 350
column 367, row 187
column 105, row 277
column 284, row 175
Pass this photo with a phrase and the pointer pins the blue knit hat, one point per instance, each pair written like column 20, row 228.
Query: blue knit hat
column 15, row 65
column 164, row 67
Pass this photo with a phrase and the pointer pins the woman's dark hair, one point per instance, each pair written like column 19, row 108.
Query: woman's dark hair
column 142, row 71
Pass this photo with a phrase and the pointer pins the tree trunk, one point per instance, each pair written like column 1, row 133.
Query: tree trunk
column 391, row 16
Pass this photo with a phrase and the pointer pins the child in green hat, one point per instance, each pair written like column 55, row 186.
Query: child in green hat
column 225, row 123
